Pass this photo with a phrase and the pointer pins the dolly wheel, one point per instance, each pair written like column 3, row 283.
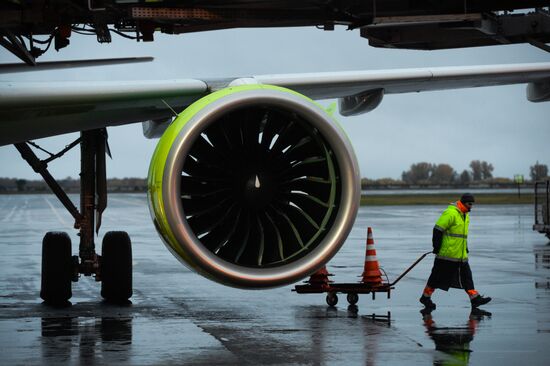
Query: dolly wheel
column 116, row 267
column 332, row 299
column 57, row 268
column 353, row 298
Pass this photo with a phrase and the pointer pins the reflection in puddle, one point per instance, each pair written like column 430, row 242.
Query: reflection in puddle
column 454, row 342
column 542, row 285
column 84, row 339
column 542, row 257
column 542, row 265
column 335, row 331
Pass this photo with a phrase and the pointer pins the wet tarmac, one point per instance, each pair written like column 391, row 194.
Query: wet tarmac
column 178, row 317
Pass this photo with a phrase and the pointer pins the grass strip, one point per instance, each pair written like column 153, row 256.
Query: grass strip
column 441, row 199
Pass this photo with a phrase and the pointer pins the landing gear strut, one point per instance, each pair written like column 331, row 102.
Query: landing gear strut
column 59, row 268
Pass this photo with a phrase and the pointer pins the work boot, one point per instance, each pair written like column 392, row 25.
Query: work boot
column 479, row 300
column 427, row 302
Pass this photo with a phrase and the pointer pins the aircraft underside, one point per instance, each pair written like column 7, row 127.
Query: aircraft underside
column 424, row 25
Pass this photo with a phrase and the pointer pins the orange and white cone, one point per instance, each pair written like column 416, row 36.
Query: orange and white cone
column 371, row 273
column 320, row 278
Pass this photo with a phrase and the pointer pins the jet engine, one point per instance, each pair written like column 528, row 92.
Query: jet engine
column 254, row 186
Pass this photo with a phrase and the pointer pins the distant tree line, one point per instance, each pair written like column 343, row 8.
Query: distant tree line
column 69, row 185
column 425, row 174
column 538, row 171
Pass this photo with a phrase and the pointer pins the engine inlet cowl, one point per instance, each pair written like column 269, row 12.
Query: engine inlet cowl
column 254, row 186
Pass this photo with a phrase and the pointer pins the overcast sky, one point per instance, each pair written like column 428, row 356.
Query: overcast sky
column 496, row 124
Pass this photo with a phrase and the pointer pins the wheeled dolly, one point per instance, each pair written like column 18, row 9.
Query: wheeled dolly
column 352, row 290
column 319, row 284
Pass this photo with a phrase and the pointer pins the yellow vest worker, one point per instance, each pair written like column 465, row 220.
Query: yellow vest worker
column 450, row 243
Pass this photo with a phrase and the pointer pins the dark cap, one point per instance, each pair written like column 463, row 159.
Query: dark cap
column 467, row 197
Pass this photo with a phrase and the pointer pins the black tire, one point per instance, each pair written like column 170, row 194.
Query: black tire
column 57, row 268
column 332, row 299
column 116, row 267
column 353, row 298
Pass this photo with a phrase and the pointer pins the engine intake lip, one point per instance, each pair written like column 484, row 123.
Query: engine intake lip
column 201, row 258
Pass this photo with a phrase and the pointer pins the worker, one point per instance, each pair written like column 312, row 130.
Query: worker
column 451, row 268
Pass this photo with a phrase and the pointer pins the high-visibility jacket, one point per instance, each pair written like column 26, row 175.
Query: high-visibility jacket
column 454, row 226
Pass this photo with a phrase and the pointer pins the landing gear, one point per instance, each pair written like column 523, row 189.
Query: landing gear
column 116, row 267
column 59, row 268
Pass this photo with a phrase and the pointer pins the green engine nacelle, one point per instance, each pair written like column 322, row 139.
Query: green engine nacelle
column 254, row 186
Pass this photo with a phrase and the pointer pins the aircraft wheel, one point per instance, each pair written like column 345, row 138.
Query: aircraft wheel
column 57, row 268
column 116, row 267
column 353, row 298
column 332, row 299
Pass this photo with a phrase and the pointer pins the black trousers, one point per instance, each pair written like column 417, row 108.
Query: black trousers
column 446, row 274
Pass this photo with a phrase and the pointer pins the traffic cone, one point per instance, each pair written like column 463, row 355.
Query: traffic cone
column 320, row 278
column 371, row 273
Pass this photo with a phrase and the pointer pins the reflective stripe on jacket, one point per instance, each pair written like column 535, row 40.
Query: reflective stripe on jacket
column 454, row 225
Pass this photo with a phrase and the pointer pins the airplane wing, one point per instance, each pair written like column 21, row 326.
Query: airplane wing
column 30, row 110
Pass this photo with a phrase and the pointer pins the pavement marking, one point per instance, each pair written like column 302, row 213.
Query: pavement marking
column 56, row 213
column 10, row 214
column 5, row 201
